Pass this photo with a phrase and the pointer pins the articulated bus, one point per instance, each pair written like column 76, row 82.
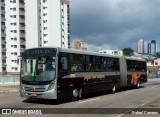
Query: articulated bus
column 55, row 73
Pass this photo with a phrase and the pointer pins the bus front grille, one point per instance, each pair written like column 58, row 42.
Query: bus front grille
column 33, row 89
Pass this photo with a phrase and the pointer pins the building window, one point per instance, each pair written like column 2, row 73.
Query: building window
column 22, row 31
column 14, row 1
column 45, row 35
column 44, row 21
column 13, row 16
column 14, row 9
column 15, row 46
column 45, row 42
column 44, row 28
column 45, row 7
column 22, row 46
column 14, row 31
column 13, row 23
column 44, row 14
column 15, row 68
column 14, row 61
column 15, row 53
column 44, row 1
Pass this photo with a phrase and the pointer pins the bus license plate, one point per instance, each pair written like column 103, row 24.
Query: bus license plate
column 33, row 94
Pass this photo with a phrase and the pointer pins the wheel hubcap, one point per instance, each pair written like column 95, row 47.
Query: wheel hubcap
column 75, row 93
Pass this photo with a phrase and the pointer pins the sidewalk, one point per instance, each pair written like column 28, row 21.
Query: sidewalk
column 9, row 88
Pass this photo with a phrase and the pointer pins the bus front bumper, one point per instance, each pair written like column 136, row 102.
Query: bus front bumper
column 49, row 94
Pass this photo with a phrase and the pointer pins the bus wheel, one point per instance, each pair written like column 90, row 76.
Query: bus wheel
column 138, row 84
column 75, row 94
column 113, row 88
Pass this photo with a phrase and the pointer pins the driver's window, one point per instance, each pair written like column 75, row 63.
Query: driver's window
column 63, row 63
column 50, row 64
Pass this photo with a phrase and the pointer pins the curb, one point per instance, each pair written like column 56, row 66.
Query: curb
column 151, row 79
column 9, row 91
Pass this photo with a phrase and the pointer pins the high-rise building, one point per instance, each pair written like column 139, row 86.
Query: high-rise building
column 47, row 23
column 12, row 35
column 149, row 48
column 152, row 47
column 141, row 46
column 145, row 47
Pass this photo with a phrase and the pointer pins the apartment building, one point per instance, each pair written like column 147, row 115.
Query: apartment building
column 12, row 35
column 142, row 47
column 47, row 23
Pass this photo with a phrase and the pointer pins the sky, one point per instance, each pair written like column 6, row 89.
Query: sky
column 114, row 24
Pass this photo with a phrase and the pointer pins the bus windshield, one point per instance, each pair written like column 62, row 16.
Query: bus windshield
column 38, row 68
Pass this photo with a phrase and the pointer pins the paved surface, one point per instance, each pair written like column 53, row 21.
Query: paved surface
column 147, row 96
column 9, row 89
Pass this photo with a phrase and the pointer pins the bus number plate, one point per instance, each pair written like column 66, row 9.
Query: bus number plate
column 33, row 94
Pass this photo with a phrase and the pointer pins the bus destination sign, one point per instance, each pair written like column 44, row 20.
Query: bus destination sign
column 39, row 52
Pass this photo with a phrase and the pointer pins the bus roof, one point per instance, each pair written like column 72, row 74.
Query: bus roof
column 88, row 53
column 133, row 58
column 85, row 52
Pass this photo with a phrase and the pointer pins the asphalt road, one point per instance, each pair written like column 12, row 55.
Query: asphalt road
column 94, row 103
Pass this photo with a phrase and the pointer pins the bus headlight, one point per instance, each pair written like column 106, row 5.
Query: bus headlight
column 51, row 85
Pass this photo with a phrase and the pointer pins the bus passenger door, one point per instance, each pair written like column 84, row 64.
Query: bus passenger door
column 63, row 77
column 63, row 66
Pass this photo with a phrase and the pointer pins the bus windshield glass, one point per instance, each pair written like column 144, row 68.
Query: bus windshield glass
column 40, row 68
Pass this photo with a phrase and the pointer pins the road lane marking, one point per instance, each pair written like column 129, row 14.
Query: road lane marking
column 154, row 86
column 89, row 100
column 119, row 115
column 129, row 91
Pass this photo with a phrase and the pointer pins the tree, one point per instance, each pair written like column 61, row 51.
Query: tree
column 128, row 52
column 158, row 54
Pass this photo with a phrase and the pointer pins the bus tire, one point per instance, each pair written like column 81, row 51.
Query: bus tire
column 138, row 84
column 75, row 94
column 113, row 88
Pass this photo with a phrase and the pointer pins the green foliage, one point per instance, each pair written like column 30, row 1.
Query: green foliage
column 128, row 52
column 158, row 54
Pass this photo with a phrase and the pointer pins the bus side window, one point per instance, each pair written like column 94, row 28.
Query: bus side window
column 63, row 63
column 89, row 63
